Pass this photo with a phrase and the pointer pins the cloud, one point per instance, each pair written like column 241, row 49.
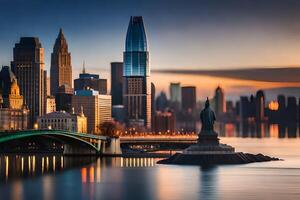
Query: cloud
column 282, row 74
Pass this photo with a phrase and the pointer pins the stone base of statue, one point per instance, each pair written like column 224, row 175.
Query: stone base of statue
column 209, row 151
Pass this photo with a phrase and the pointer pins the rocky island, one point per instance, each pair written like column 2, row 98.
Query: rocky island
column 209, row 151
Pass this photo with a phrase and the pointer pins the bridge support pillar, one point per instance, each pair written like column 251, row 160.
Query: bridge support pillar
column 112, row 147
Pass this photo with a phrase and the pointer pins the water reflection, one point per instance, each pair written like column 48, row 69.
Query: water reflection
column 258, row 130
column 209, row 183
column 22, row 166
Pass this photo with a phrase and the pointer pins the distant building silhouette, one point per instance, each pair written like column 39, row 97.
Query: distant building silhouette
column 247, row 108
column 92, row 81
column 220, row 102
column 136, row 73
column 61, row 67
column 281, row 109
column 175, row 92
column 260, row 106
column 28, row 66
column 161, row 102
column 291, row 110
column 188, row 98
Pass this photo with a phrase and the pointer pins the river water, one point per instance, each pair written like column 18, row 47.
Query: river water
column 57, row 177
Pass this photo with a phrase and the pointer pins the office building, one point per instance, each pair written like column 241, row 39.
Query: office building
column 92, row 81
column 96, row 107
column 116, row 83
column 63, row 98
column 28, row 66
column 61, row 67
column 50, row 104
column 136, row 75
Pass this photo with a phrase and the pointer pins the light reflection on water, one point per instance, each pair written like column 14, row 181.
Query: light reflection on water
column 58, row 177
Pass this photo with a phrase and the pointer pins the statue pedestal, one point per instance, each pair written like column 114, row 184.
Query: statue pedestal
column 208, row 143
column 208, row 138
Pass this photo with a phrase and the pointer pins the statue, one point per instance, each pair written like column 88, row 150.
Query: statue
column 207, row 117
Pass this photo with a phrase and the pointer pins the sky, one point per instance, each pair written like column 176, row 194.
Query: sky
column 182, row 34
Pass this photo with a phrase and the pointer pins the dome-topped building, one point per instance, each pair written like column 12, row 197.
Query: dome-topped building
column 13, row 112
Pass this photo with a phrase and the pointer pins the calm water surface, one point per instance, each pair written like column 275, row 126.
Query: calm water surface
column 57, row 177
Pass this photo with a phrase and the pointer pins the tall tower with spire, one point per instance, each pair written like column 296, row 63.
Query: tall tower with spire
column 61, row 68
column 136, row 75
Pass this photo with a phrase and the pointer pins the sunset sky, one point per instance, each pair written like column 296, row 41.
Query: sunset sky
column 182, row 34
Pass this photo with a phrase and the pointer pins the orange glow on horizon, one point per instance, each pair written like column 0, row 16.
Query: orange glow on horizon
column 273, row 105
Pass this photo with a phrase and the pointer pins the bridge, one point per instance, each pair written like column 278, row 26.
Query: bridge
column 68, row 143
column 154, row 143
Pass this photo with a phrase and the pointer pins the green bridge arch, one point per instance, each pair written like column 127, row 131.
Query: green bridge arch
column 58, row 134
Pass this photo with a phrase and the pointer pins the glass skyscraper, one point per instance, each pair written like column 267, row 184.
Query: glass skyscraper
column 136, row 73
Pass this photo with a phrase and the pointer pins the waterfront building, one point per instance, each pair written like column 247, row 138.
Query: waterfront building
column 188, row 98
column 28, row 66
column 13, row 112
column 164, row 122
column 220, row 102
column 61, row 67
column 260, row 106
column 62, row 120
column 96, row 107
column 50, row 104
column 92, row 81
column 136, row 75
column 116, row 83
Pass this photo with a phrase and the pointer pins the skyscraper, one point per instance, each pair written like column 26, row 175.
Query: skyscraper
column 28, row 66
column 116, row 83
column 61, row 69
column 136, row 75
column 188, row 98
column 220, row 103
